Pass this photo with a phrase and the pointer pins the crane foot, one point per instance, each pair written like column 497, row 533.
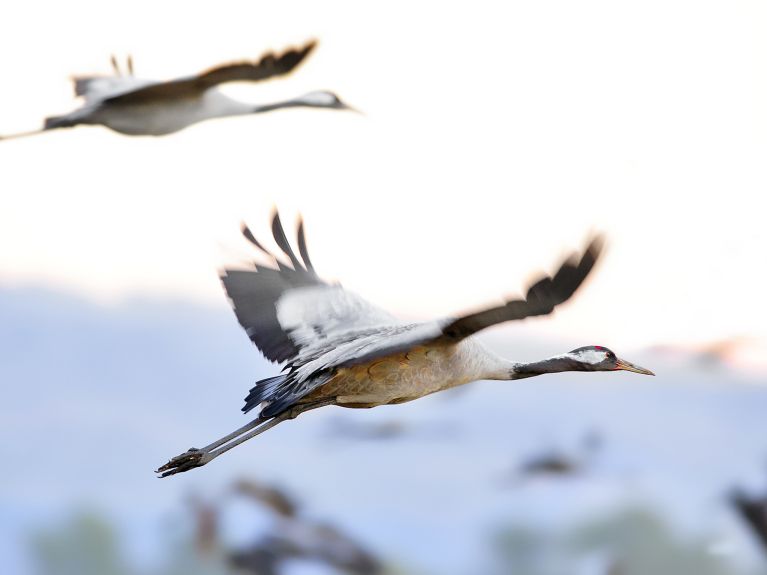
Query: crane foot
column 184, row 462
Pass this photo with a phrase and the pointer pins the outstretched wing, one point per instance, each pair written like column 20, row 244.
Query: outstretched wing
column 541, row 299
column 287, row 308
column 318, row 360
column 268, row 66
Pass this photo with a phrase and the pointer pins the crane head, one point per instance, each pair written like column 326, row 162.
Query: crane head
column 599, row 358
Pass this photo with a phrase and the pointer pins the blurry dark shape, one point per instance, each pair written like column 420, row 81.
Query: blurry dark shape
column 140, row 107
column 752, row 509
column 292, row 537
column 296, row 537
column 316, row 543
column 272, row 497
column 260, row 560
column 206, row 535
column 562, row 463
column 347, row 429
column 551, row 463
column 341, row 350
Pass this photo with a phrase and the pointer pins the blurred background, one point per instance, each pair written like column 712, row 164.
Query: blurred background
column 495, row 138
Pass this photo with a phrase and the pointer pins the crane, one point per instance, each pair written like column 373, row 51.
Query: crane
column 139, row 107
column 341, row 350
column 298, row 536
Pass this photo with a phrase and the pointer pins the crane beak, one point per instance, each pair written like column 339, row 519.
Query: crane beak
column 626, row 366
column 349, row 108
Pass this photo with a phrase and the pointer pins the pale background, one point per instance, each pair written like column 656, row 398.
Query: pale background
column 496, row 138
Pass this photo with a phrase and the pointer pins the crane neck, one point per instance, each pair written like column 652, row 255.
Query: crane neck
column 555, row 364
column 294, row 103
column 501, row 369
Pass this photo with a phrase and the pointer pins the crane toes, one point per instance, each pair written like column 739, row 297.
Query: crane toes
column 184, row 462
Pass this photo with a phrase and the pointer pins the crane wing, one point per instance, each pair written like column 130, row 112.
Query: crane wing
column 541, row 299
column 363, row 336
column 287, row 308
column 268, row 66
column 99, row 88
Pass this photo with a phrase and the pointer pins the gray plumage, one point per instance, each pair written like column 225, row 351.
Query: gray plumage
column 142, row 107
column 293, row 316
column 339, row 349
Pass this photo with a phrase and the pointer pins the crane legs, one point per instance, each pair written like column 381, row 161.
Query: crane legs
column 199, row 457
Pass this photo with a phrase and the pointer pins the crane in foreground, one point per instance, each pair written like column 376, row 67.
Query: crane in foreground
column 341, row 350
column 140, row 107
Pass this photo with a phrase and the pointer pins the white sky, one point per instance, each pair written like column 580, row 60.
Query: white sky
column 497, row 136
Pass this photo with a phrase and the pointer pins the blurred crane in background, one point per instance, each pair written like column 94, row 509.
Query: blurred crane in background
column 752, row 510
column 559, row 462
column 341, row 350
column 140, row 107
column 297, row 537
column 291, row 537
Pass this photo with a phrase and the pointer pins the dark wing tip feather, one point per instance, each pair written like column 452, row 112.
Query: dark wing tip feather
column 254, row 293
column 292, row 57
column 268, row 66
column 252, row 239
column 282, row 241
column 303, row 51
column 550, row 292
column 593, row 250
column 541, row 298
column 302, row 246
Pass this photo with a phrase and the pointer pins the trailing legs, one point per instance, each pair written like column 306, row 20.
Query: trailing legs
column 198, row 457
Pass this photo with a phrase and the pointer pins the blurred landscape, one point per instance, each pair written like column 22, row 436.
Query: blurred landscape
column 97, row 396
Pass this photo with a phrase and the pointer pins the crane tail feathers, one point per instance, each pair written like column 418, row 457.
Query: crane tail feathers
column 55, row 122
column 280, row 393
column 261, row 392
column 291, row 392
